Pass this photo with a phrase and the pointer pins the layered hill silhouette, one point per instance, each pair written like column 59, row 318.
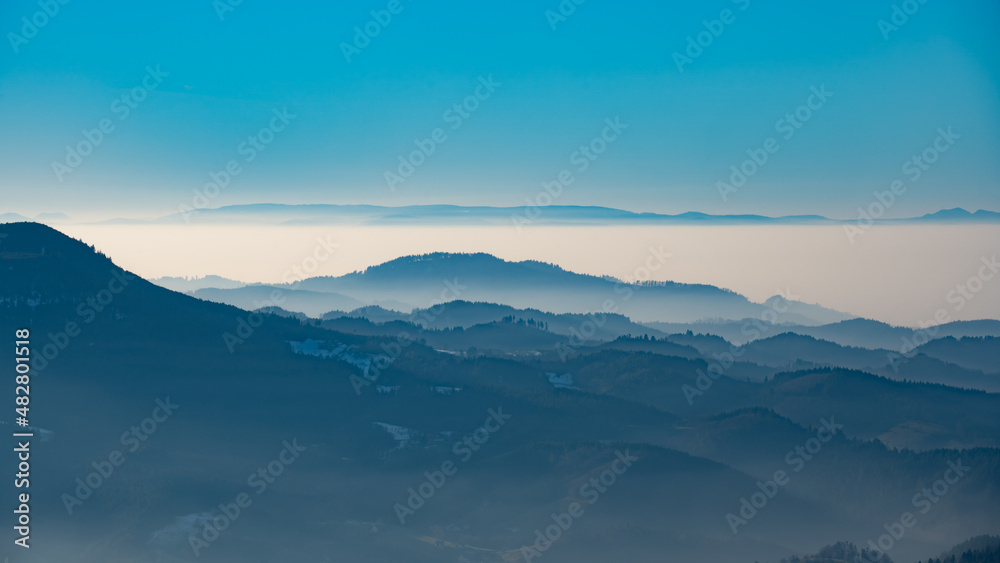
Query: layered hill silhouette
column 374, row 412
column 421, row 281
column 856, row 332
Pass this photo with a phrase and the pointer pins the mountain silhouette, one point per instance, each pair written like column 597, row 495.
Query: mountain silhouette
column 372, row 420
column 426, row 280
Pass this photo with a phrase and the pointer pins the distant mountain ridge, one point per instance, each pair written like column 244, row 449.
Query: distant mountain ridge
column 188, row 285
column 307, row 214
column 422, row 281
column 44, row 218
column 857, row 332
column 552, row 214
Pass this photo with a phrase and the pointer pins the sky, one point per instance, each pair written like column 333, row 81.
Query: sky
column 181, row 87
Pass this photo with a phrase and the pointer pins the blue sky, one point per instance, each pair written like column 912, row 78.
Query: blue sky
column 226, row 77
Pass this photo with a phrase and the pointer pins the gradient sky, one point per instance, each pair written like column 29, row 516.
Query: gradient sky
column 940, row 69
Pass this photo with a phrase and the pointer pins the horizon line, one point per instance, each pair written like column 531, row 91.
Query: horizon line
column 62, row 217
